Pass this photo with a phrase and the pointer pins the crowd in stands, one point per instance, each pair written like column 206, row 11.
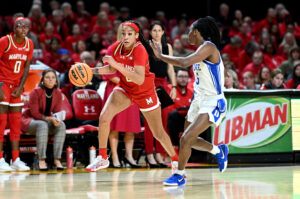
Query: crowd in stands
column 261, row 54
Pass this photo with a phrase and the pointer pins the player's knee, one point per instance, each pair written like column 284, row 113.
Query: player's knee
column 185, row 140
column 104, row 119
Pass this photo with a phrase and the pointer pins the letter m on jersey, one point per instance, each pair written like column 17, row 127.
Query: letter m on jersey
column 149, row 101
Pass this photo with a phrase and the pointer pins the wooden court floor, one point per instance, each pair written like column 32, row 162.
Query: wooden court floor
column 236, row 183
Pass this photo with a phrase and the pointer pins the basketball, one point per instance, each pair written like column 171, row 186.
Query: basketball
column 80, row 74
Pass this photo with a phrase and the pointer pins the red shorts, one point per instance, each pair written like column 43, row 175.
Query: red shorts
column 146, row 102
column 9, row 100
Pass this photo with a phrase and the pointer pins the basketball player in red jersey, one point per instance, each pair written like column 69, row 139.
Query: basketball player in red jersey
column 130, row 58
column 15, row 55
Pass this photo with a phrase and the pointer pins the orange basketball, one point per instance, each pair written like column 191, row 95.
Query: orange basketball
column 80, row 74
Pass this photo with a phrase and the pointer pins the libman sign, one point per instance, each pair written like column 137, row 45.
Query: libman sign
column 255, row 125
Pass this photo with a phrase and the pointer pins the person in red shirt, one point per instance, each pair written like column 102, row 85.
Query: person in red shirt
column 15, row 55
column 45, row 38
column 130, row 58
column 233, row 49
column 294, row 81
column 178, row 111
column 71, row 40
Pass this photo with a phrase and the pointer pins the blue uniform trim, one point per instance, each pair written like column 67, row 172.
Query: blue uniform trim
column 214, row 70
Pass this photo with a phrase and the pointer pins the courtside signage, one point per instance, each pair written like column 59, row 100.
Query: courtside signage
column 255, row 124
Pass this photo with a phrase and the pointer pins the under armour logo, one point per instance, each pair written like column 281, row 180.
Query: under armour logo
column 149, row 101
column 87, row 109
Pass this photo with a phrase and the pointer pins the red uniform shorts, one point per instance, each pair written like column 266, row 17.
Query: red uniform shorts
column 146, row 102
column 9, row 100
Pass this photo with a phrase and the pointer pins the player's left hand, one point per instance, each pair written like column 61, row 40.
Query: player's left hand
column 16, row 92
column 156, row 48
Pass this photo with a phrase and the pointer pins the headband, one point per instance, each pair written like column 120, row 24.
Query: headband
column 18, row 19
column 132, row 25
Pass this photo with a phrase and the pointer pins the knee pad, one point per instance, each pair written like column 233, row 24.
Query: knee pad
column 14, row 125
column 3, row 122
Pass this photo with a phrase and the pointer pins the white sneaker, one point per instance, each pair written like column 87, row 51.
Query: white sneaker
column 98, row 163
column 174, row 166
column 4, row 166
column 18, row 165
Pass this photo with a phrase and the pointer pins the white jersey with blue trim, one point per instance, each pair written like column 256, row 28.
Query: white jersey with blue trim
column 209, row 77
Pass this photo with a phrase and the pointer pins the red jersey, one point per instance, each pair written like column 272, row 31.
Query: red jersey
column 13, row 57
column 136, row 56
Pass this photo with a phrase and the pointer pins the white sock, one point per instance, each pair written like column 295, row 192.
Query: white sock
column 180, row 172
column 215, row 150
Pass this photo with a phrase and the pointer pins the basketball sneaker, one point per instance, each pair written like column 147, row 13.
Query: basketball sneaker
column 98, row 163
column 4, row 166
column 175, row 180
column 221, row 157
column 19, row 165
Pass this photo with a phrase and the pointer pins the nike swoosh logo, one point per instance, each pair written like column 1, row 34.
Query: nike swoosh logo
column 180, row 180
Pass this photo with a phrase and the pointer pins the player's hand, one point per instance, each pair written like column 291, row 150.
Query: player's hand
column 16, row 92
column 156, row 48
column 173, row 93
column 2, row 95
column 110, row 60
column 64, row 58
column 55, row 121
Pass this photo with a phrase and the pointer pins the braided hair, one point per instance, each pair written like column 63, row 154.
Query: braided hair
column 164, row 44
column 142, row 39
column 209, row 30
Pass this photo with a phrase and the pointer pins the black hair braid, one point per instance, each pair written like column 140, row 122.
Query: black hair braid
column 143, row 40
column 209, row 30
column 164, row 44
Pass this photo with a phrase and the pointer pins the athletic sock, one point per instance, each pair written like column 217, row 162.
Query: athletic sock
column 215, row 150
column 103, row 153
column 15, row 154
column 174, row 158
column 1, row 154
column 180, row 172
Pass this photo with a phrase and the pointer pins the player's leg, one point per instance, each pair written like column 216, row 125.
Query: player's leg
column 155, row 123
column 116, row 102
column 14, row 118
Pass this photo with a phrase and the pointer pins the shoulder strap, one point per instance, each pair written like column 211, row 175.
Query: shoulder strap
column 9, row 43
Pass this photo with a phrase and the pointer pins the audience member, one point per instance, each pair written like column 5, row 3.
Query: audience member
column 264, row 75
column 276, row 81
column 249, row 81
column 231, row 80
column 288, row 65
column 294, row 81
column 44, row 116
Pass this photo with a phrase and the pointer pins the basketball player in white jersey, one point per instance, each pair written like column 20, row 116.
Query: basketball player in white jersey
column 209, row 104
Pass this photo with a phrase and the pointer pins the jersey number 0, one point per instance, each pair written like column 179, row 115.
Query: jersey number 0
column 17, row 67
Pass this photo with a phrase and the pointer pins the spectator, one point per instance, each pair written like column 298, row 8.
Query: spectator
column 271, row 55
column 179, row 50
column 246, row 55
column 83, row 18
column 249, row 81
column 276, row 81
column 72, row 40
column 45, row 38
column 256, row 64
column 39, row 118
column 264, row 75
column 59, row 26
column 69, row 17
column 178, row 30
column 57, row 58
column 80, row 47
column 233, row 49
column 231, row 80
column 124, row 14
column 102, row 24
column 109, row 38
column 54, row 5
column 37, row 19
column 104, row 6
column 288, row 40
column 94, row 45
column 294, row 81
column 245, row 34
column 287, row 66
column 178, row 111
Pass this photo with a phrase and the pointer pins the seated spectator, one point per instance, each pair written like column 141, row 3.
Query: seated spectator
column 71, row 40
column 245, row 34
column 59, row 26
column 94, row 45
column 249, row 81
column 276, row 81
column 233, row 49
column 57, row 58
column 178, row 30
column 288, row 40
column 270, row 53
column 109, row 38
column 39, row 118
column 235, row 28
column 80, row 46
column 45, row 38
column 102, row 24
column 264, row 75
column 256, row 64
column 231, row 80
column 178, row 110
column 246, row 55
column 37, row 19
column 294, row 81
column 287, row 66
column 83, row 18
column 32, row 36
column 70, row 17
